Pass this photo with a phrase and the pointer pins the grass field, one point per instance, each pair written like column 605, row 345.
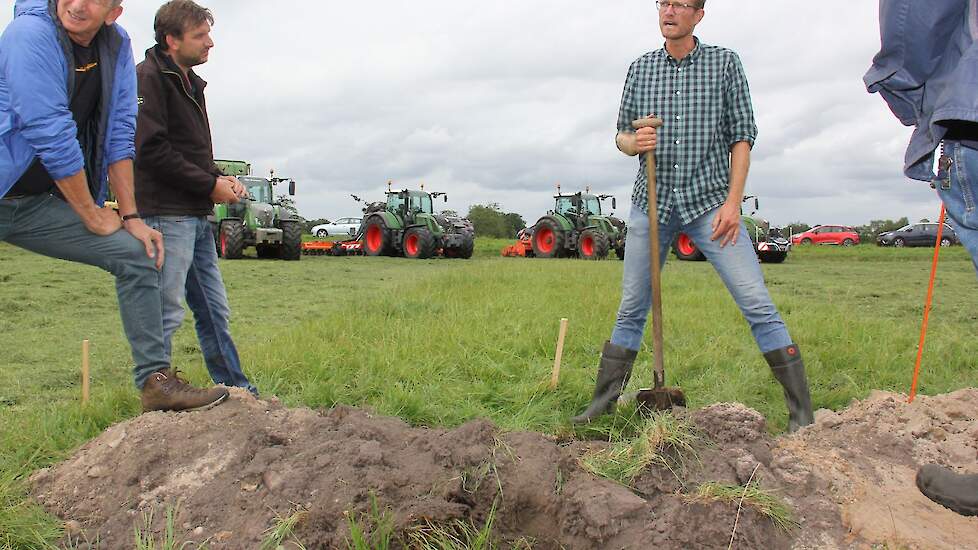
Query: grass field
column 439, row 342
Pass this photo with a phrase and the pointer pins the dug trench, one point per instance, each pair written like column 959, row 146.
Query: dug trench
column 233, row 476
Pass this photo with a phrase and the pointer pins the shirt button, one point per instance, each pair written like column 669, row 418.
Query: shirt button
column 678, row 92
column 678, row 117
column 677, row 141
column 676, row 166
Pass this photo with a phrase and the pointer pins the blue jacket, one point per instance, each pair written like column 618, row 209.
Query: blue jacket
column 36, row 83
column 927, row 71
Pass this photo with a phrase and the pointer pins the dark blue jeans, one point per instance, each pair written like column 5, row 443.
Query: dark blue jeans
column 959, row 198
column 47, row 225
column 190, row 272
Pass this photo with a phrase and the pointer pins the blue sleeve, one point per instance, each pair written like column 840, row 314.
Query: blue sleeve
column 913, row 39
column 122, row 139
column 35, row 73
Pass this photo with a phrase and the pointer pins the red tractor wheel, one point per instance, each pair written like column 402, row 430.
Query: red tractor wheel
column 593, row 245
column 685, row 249
column 419, row 243
column 376, row 238
column 548, row 239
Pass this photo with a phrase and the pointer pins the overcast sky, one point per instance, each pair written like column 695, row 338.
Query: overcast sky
column 499, row 101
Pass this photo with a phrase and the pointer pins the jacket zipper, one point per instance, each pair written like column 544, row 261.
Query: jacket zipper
column 186, row 92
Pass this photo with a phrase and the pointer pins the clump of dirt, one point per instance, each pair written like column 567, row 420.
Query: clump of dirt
column 233, row 472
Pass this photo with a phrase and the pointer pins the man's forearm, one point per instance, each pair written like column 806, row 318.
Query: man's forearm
column 626, row 143
column 121, row 181
column 76, row 194
column 739, row 166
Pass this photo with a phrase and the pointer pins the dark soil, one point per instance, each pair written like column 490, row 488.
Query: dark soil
column 232, row 472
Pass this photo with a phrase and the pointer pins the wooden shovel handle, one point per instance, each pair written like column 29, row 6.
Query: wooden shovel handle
column 654, row 267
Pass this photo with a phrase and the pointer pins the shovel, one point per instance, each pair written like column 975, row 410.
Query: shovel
column 660, row 397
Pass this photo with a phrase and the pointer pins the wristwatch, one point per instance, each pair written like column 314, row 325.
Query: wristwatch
column 128, row 217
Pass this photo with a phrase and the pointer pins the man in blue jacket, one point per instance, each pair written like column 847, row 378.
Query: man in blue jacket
column 927, row 71
column 67, row 125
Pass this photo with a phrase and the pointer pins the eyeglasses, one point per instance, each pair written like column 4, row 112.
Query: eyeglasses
column 677, row 6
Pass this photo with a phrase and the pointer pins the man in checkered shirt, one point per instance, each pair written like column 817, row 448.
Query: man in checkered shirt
column 703, row 154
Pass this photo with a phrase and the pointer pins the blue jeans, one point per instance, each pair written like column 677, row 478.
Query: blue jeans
column 190, row 272
column 47, row 225
column 737, row 266
column 959, row 199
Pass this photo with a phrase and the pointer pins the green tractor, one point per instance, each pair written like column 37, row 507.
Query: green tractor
column 406, row 225
column 258, row 220
column 576, row 227
column 769, row 249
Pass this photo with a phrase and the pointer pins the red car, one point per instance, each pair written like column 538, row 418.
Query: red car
column 827, row 234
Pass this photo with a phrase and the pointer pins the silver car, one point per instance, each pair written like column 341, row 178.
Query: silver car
column 342, row 227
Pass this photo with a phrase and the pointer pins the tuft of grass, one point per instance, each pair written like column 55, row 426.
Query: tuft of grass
column 371, row 531
column 662, row 440
column 457, row 535
column 763, row 501
column 146, row 538
column 283, row 530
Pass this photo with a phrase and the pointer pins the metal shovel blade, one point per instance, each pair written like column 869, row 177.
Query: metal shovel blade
column 659, row 399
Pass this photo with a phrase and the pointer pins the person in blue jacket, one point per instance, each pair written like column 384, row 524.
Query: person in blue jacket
column 67, row 127
column 927, row 72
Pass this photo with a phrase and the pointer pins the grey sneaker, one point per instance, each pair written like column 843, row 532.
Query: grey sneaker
column 165, row 391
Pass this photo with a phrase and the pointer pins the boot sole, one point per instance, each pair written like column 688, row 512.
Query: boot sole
column 210, row 405
column 950, row 503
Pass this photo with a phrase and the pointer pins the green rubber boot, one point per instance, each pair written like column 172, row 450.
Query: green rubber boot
column 613, row 375
column 789, row 370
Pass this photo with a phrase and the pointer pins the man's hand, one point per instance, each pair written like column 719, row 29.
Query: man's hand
column 102, row 221
column 645, row 140
column 151, row 238
column 224, row 190
column 238, row 187
column 726, row 224
column 639, row 142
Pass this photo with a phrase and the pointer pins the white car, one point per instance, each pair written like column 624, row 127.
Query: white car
column 339, row 228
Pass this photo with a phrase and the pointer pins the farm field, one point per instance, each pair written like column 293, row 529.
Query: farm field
column 441, row 342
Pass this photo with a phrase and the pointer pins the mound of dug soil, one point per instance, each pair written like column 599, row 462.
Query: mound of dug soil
column 233, row 472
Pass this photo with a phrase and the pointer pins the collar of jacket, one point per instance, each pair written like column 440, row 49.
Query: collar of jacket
column 165, row 63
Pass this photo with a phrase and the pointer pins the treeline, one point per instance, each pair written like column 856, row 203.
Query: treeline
column 867, row 233
column 490, row 221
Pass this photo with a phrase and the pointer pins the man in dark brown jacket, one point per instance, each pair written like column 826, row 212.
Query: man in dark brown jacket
column 177, row 183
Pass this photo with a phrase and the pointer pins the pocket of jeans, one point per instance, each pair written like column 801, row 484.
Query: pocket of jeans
column 966, row 180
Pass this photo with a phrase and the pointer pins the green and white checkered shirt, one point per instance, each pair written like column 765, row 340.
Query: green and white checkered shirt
column 705, row 106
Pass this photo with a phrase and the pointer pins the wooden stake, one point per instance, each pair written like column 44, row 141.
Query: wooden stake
column 85, row 376
column 559, row 354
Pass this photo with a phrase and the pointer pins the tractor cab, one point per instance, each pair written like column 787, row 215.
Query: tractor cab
column 408, row 204
column 580, row 207
column 259, row 189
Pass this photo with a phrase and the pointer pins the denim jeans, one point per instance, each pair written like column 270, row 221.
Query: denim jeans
column 959, row 199
column 190, row 273
column 47, row 225
column 737, row 266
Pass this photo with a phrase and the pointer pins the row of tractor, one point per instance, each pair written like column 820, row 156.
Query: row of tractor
column 577, row 227
column 406, row 225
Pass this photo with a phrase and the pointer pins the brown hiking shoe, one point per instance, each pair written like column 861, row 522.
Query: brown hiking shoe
column 165, row 391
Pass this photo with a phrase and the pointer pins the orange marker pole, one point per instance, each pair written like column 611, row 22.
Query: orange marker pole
column 927, row 304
